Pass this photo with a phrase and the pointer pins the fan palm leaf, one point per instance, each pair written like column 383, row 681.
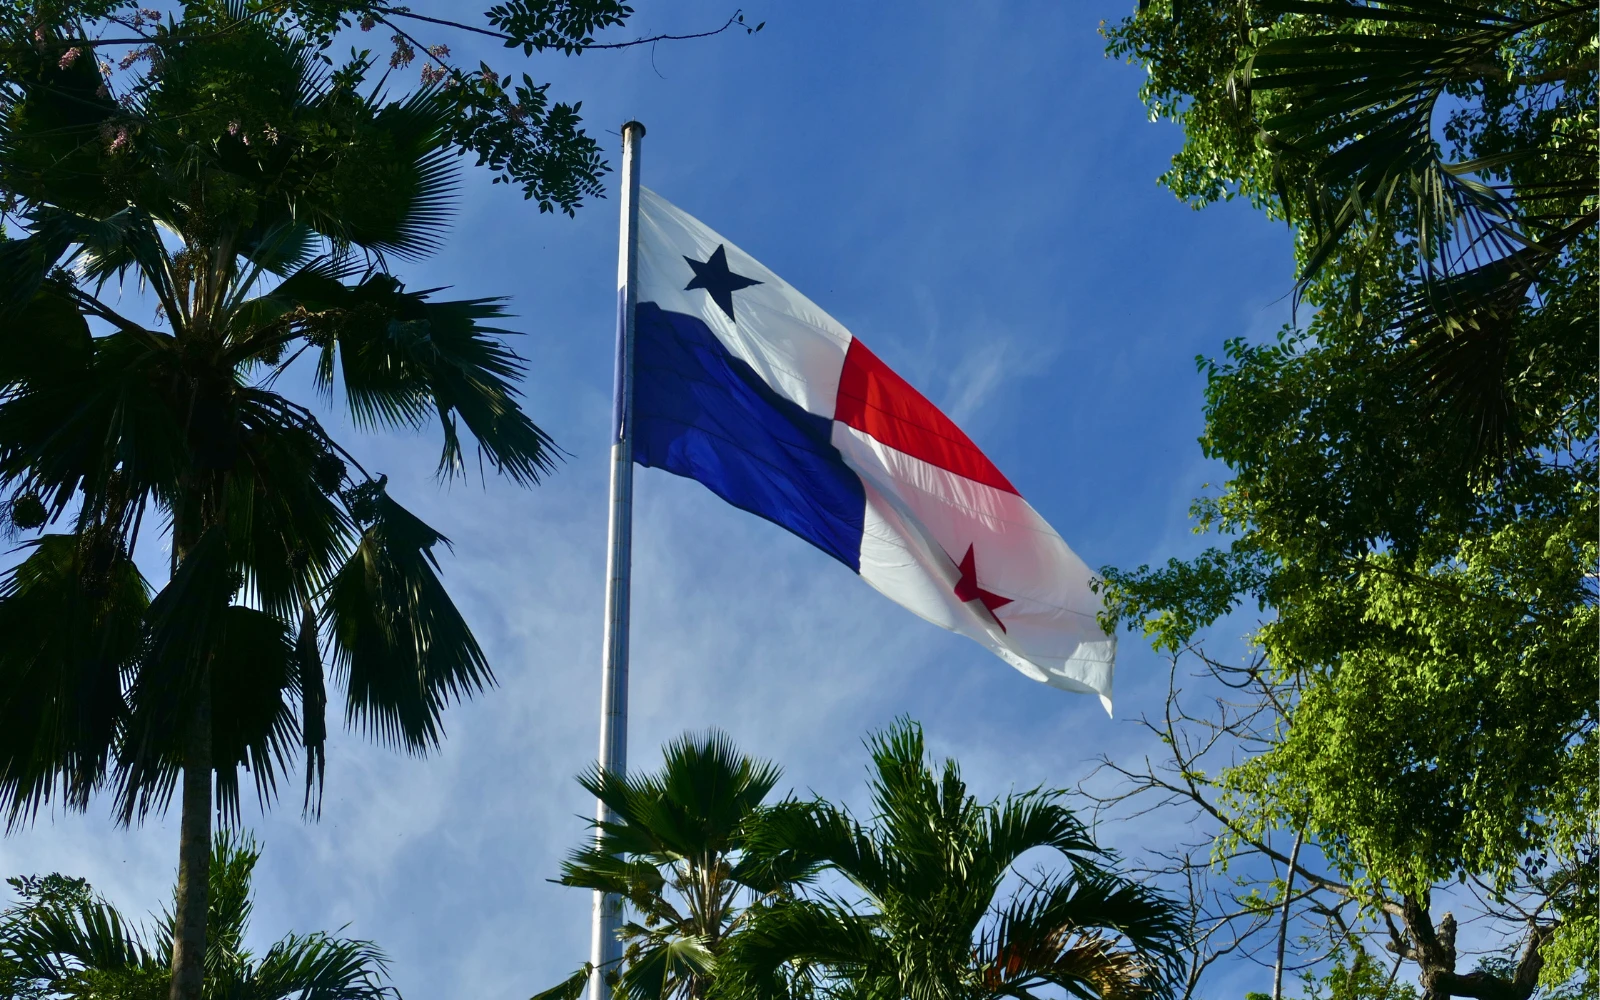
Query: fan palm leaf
column 73, row 620
column 673, row 846
column 399, row 644
column 1363, row 105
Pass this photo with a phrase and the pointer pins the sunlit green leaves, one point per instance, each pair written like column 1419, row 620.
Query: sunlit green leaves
column 1412, row 467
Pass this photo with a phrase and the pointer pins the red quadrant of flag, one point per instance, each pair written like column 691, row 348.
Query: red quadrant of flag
column 876, row 401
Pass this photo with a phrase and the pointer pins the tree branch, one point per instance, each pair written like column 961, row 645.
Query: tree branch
column 504, row 37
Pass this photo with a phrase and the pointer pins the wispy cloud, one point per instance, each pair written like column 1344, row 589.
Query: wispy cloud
column 976, row 378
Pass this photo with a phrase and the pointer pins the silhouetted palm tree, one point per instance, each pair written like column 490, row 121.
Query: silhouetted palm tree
column 256, row 199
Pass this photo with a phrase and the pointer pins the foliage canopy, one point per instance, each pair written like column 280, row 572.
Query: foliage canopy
column 1412, row 468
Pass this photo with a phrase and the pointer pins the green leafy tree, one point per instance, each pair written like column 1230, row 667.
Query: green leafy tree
column 65, row 943
column 257, row 197
column 1459, row 256
column 1411, row 492
column 676, row 850
column 922, row 912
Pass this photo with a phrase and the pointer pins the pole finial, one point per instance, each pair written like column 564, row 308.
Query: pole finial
column 632, row 124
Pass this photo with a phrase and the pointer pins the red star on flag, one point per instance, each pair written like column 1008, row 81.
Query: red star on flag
column 967, row 589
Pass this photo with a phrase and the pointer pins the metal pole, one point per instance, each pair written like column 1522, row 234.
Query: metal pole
column 605, row 950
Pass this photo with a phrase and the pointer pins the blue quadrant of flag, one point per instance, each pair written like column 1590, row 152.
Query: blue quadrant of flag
column 702, row 413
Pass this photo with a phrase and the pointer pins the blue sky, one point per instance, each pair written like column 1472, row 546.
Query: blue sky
column 971, row 190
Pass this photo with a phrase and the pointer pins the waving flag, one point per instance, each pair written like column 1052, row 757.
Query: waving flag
column 744, row 385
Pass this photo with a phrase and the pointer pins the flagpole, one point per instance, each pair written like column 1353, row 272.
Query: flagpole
column 605, row 949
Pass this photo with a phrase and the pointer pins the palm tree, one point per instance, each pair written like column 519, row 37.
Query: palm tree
column 1350, row 104
column 676, row 851
column 68, row 943
column 918, row 913
column 257, row 199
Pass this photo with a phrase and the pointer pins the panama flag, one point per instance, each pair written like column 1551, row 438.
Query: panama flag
column 744, row 385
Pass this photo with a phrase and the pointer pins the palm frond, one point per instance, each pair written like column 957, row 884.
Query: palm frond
column 400, row 197
column 184, row 620
column 287, row 529
column 1094, row 935
column 61, row 943
column 929, row 867
column 698, row 803
column 399, row 645
column 1020, row 823
column 804, row 931
column 253, row 672
column 807, row 836
column 660, row 972
column 321, row 967
column 570, row 988
column 26, row 262
column 637, row 881
column 86, row 948
column 914, row 809
column 229, row 904
column 72, row 616
column 1460, row 333
column 402, row 354
column 1365, row 104
column 313, row 708
column 66, row 429
column 624, row 796
column 98, row 247
column 281, row 249
column 1362, row 109
column 709, row 788
column 262, row 326
column 125, row 240
column 677, row 847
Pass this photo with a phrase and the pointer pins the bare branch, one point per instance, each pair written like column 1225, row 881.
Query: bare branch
column 387, row 12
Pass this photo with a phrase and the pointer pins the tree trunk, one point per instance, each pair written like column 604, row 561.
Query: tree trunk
column 1433, row 948
column 1283, row 922
column 194, row 853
